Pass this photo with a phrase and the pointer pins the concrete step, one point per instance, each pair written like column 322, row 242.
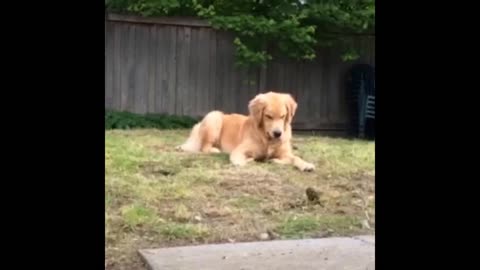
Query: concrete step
column 336, row 253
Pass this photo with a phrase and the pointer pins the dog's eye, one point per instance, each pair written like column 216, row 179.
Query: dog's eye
column 283, row 116
column 269, row 116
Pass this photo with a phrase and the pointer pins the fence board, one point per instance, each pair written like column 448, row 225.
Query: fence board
column 109, row 65
column 183, row 101
column 161, row 88
column 152, row 70
column 212, row 69
column 171, row 68
column 203, row 76
column 130, row 57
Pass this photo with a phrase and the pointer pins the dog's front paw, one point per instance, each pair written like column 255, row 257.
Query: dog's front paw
column 307, row 167
column 214, row 150
column 239, row 163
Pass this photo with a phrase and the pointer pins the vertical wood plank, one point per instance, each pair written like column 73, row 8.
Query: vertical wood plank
column 254, row 73
column 192, row 89
column 119, row 44
column 152, row 73
column 299, row 94
column 325, row 64
column 183, row 79
column 109, row 65
column 203, row 91
column 141, row 69
column 240, row 86
column 229, row 98
column 212, row 105
column 161, row 88
column 335, row 87
column 281, row 76
column 269, row 78
column 161, row 66
column 300, row 87
column 343, row 106
column 220, row 74
column 171, row 69
column 128, row 71
column 316, row 78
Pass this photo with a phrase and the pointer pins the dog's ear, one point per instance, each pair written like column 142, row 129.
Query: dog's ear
column 291, row 106
column 256, row 107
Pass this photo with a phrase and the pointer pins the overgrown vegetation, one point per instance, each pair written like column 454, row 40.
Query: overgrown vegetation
column 156, row 196
column 265, row 28
column 128, row 120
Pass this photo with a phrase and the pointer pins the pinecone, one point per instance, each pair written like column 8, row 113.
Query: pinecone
column 312, row 194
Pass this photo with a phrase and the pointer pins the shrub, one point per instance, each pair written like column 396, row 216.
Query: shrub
column 128, row 120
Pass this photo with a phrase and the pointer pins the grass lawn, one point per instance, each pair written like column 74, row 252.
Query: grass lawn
column 158, row 197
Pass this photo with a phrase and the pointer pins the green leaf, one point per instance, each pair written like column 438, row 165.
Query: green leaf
column 292, row 28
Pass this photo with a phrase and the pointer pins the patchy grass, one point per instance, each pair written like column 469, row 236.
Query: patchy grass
column 176, row 231
column 156, row 196
column 317, row 226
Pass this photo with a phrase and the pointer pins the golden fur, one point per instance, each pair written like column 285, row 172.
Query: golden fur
column 264, row 134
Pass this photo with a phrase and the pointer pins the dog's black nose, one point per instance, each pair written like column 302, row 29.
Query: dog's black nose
column 277, row 133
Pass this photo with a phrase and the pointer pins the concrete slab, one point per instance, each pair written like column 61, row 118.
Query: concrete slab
column 367, row 238
column 356, row 253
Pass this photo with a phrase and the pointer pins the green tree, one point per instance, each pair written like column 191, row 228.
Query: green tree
column 288, row 27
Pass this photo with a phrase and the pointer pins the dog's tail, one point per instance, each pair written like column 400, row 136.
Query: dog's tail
column 193, row 143
column 204, row 134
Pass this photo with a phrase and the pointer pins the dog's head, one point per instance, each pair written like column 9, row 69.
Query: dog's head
column 273, row 112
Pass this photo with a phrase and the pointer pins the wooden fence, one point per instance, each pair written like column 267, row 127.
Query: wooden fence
column 182, row 66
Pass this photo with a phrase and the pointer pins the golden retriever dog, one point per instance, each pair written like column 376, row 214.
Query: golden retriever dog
column 264, row 134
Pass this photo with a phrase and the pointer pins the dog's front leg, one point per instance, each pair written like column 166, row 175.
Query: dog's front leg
column 299, row 163
column 239, row 157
